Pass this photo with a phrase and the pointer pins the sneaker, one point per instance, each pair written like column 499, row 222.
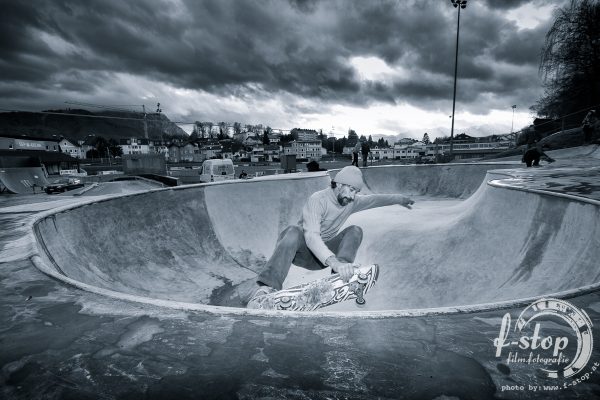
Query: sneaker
column 259, row 295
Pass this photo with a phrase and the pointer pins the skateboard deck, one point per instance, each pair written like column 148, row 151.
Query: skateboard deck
column 320, row 293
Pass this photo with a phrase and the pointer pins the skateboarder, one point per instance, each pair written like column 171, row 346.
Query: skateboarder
column 533, row 155
column 316, row 242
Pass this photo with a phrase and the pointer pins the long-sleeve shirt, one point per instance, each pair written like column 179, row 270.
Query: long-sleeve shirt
column 322, row 216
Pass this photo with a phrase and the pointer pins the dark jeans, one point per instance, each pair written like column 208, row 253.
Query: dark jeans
column 291, row 247
column 355, row 159
column 588, row 132
column 532, row 156
column 365, row 156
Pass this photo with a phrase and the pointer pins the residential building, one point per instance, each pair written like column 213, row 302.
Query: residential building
column 190, row 152
column 71, row 149
column 403, row 152
column 242, row 136
column 159, row 147
column 252, row 141
column 87, row 144
column 305, row 135
column 210, row 151
column 258, row 153
column 174, row 153
column 135, row 146
column 384, row 153
column 271, row 152
column 304, row 149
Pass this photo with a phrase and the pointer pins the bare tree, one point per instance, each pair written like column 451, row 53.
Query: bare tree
column 570, row 60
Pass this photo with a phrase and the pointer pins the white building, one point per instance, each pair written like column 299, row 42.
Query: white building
column 382, row 153
column 305, row 135
column 159, row 147
column 274, row 138
column 135, row 146
column 307, row 149
column 71, row 149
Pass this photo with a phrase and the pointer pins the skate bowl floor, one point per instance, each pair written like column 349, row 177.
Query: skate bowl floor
column 472, row 241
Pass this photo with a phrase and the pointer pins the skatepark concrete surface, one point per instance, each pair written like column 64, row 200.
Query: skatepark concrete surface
column 22, row 180
column 117, row 295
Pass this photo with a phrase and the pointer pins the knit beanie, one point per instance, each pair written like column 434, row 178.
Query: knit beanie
column 350, row 175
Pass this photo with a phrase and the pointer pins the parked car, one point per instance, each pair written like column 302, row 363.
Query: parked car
column 63, row 184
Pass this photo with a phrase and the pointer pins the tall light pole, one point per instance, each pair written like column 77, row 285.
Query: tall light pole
column 458, row 4
column 512, row 125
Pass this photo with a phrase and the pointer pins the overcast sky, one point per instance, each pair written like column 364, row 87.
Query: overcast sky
column 378, row 67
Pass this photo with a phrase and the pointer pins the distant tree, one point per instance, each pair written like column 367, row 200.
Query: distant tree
column 223, row 128
column 426, row 138
column 370, row 141
column 352, row 137
column 328, row 143
column 195, row 136
column 570, row 61
column 101, row 145
column 114, row 148
column 92, row 153
column 200, row 129
column 265, row 138
column 286, row 138
column 208, row 129
column 237, row 127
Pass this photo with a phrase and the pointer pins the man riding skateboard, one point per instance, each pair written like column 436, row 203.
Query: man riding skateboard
column 316, row 242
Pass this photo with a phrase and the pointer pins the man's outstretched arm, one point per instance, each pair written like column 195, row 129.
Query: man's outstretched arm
column 365, row 202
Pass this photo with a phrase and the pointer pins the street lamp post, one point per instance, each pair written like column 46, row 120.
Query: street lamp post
column 458, row 4
column 512, row 125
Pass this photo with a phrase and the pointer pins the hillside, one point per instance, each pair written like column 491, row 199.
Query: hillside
column 109, row 124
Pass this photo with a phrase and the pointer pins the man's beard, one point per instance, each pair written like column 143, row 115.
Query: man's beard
column 343, row 200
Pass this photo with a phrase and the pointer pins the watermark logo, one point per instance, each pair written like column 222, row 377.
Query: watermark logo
column 550, row 334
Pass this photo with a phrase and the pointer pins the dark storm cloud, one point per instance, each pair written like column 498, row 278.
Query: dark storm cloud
column 300, row 47
column 504, row 4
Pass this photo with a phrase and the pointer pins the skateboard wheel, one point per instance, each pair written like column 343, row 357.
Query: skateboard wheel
column 360, row 301
column 285, row 303
column 362, row 278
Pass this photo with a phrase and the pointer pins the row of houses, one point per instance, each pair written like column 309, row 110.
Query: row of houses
column 254, row 152
column 307, row 147
column 252, row 148
column 419, row 150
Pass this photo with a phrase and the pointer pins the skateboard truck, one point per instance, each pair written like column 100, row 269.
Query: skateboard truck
column 360, row 300
column 359, row 289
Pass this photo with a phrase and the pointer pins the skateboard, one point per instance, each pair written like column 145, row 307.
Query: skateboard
column 320, row 293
